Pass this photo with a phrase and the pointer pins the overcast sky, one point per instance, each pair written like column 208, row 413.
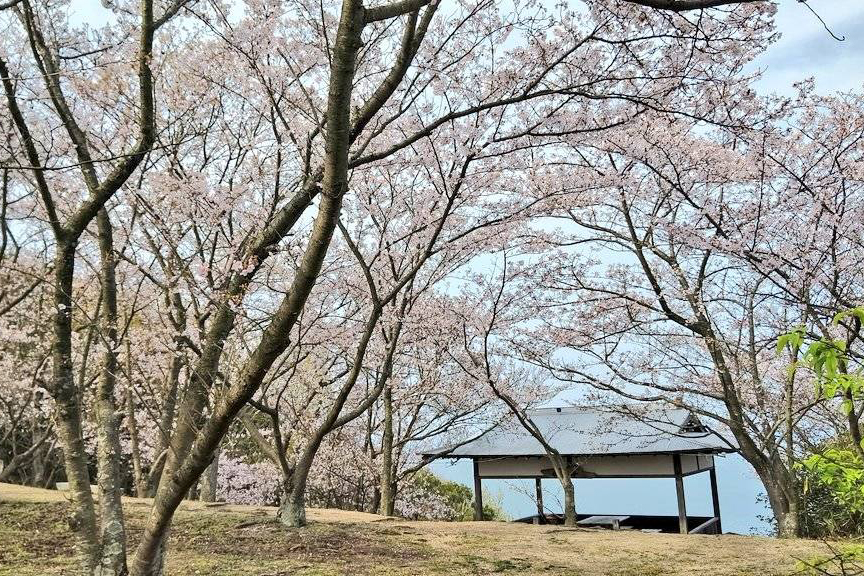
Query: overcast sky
column 806, row 49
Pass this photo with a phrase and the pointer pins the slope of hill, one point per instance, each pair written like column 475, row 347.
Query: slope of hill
column 247, row 540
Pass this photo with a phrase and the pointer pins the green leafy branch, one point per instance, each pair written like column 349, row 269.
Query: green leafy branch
column 829, row 361
column 842, row 472
column 838, row 468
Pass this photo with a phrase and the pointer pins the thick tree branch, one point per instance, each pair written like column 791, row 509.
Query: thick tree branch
column 395, row 9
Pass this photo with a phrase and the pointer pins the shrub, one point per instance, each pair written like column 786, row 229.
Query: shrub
column 428, row 496
column 832, row 500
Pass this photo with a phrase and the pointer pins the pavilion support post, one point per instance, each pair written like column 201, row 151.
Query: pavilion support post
column 478, row 493
column 715, row 498
column 679, row 488
column 538, row 489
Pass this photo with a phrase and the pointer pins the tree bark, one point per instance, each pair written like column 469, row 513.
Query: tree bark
column 292, row 500
column 538, row 500
column 138, row 477
column 83, row 521
column 790, row 526
column 388, row 504
column 292, row 506
column 787, row 522
column 113, row 553
column 375, row 505
column 388, row 498
column 783, row 507
column 210, row 480
column 569, row 502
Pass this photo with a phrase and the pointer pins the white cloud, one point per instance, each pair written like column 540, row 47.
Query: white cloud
column 806, row 49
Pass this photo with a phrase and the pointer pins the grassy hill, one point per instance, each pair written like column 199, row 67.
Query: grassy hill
column 247, row 540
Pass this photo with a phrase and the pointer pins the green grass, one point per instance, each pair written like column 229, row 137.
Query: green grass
column 33, row 539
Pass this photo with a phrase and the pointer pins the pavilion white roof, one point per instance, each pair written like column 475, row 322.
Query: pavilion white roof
column 584, row 431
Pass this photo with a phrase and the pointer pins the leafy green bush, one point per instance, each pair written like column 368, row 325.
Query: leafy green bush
column 833, row 476
column 842, row 472
column 832, row 500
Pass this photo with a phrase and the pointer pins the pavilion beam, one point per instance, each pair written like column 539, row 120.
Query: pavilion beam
column 679, row 488
column 538, row 489
column 478, row 492
column 715, row 497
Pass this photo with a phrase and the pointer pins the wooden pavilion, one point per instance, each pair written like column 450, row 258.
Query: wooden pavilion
column 602, row 443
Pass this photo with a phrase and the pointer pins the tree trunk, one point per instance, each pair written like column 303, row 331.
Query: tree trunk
column 83, row 521
column 564, row 471
column 778, row 480
column 38, row 466
column 193, row 491
column 389, row 504
column 292, row 505
column 569, row 502
column 137, row 473
column 784, row 509
column 113, row 552
column 376, row 500
column 790, row 527
column 387, row 481
column 787, row 523
column 166, row 419
column 170, row 389
column 48, row 468
column 210, row 480
column 785, row 513
column 138, row 477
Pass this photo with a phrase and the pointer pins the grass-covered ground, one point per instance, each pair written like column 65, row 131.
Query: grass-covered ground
column 235, row 540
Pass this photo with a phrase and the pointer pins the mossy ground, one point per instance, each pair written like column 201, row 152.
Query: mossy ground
column 237, row 540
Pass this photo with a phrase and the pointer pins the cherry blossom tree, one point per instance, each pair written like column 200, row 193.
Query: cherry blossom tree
column 101, row 171
column 430, row 403
column 812, row 198
column 404, row 243
column 698, row 277
column 506, row 90
column 295, row 103
column 494, row 310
